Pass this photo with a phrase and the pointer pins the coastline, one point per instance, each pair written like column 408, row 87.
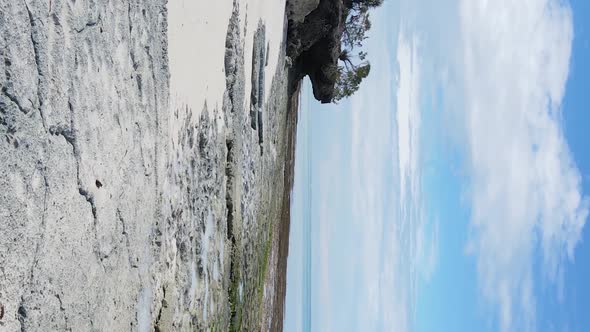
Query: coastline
column 280, row 242
column 256, row 126
column 147, row 164
column 251, row 131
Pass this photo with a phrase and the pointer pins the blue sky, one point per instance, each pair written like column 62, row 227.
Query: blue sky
column 450, row 193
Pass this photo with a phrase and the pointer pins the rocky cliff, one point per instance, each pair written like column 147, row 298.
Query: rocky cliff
column 315, row 46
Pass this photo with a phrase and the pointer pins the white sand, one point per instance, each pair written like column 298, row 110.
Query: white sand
column 196, row 37
column 272, row 14
column 196, row 49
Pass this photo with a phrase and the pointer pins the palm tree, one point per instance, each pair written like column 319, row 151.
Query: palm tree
column 345, row 57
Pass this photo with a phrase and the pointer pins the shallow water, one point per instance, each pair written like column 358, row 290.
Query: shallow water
column 298, row 298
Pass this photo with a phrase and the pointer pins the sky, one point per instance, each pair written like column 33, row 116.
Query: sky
column 451, row 193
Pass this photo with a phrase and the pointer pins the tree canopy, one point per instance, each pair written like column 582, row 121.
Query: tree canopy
column 354, row 66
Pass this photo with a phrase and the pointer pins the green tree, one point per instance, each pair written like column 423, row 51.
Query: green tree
column 350, row 76
column 357, row 24
column 355, row 30
column 362, row 3
column 357, row 21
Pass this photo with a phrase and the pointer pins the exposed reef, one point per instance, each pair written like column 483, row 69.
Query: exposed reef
column 314, row 46
column 119, row 212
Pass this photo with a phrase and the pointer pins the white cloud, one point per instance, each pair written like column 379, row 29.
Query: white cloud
column 395, row 246
column 386, row 207
column 525, row 189
column 408, row 119
column 372, row 212
column 427, row 249
column 418, row 236
column 503, row 65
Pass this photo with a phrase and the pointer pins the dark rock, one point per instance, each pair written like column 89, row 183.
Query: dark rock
column 315, row 45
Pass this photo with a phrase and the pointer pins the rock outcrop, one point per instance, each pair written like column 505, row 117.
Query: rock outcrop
column 315, row 46
column 83, row 114
column 299, row 9
column 119, row 212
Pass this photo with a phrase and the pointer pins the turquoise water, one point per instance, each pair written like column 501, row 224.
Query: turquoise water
column 298, row 297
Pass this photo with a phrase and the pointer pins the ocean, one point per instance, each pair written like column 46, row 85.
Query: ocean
column 298, row 309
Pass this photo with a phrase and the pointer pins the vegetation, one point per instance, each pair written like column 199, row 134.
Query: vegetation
column 249, row 268
column 355, row 68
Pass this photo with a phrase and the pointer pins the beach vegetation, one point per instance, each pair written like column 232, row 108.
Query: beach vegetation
column 354, row 66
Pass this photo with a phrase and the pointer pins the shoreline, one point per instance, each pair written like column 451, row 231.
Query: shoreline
column 283, row 230
column 147, row 165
